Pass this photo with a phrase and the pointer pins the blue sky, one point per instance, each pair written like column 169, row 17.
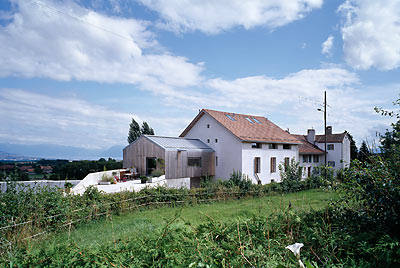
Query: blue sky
column 74, row 73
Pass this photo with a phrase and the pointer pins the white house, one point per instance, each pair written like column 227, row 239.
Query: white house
column 311, row 150
column 250, row 144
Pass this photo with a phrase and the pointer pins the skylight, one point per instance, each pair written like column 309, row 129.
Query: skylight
column 230, row 117
column 248, row 119
column 255, row 120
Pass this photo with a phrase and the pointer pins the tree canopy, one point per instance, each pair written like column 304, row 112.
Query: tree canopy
column 135, row 131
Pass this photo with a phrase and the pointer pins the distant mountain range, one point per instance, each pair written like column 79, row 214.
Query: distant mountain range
column 18, row 152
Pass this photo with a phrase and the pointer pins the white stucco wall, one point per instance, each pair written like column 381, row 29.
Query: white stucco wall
column 228, row 149
column 265, row 154
column 333, row 155
column 305, row 165
column 346, row 152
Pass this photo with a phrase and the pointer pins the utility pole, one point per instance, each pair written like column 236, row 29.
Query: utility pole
column 326, row 154
column 325, row 139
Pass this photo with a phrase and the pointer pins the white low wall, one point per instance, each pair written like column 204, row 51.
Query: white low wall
column 93, row 179
column 39, row 183
column 179, row 183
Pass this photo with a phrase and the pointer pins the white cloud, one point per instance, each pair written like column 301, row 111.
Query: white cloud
column 37, row 118
column 211, row 16
column 327, row 46
column 43, row 40
column 371, row 33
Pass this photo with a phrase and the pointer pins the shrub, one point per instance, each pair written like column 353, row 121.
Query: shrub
column 291, row 176
column 157, row 173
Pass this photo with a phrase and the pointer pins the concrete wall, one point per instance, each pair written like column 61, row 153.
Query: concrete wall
column 39, row 183
column 228, row 148
column 265, row 154
column 179, row 183
column 92, row 179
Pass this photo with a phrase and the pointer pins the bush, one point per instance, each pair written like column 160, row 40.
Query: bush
column 157, row 173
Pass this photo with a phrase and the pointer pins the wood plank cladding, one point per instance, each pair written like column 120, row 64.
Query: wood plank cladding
column 176, row 161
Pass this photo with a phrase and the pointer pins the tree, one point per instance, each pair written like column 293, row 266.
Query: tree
column 364, row 152
column 146, row 129
column 353, row 147
column 134, row 131
column 391, row 139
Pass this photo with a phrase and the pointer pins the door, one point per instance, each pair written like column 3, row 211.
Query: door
column 151, row 165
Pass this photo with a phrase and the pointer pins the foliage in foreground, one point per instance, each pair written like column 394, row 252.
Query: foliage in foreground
column 332, row 237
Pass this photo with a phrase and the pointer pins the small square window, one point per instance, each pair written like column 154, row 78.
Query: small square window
column 273, row 146
column 316, row 158
column 286, row 146
column 256, row 145
column 331, row 163
column 331, row 147
column 216, row 140
column 208, row 140
column 194, row 161
column 208, row 125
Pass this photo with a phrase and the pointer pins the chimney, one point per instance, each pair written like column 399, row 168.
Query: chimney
column 311, row 135
column 329, row 130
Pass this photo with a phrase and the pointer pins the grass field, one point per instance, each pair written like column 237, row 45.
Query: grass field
column 133, row 224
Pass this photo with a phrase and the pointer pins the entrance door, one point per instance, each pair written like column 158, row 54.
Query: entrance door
column 151, row 165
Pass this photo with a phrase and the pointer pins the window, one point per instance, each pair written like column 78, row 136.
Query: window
column 194, row 161
column 286, row 163
column 208, row 140
column 256, row 165
column 208, row 125
column 331, row 147
column 307, row 158
column 286, row 146
column 273, row 146
column 256, row 145
column 316, row 158
column 230, row 117
column 255, row 120
column 216, row 140
column 248, row 119
column 331, row 163
column 216, row 161
column 273, row 164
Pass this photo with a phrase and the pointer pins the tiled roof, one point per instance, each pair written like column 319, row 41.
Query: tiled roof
column 260, row 129
column 173, row 143
column 330, row 137
column 306, row 147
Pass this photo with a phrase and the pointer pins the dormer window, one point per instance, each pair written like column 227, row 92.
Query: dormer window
column 273, row 146
column 286, row 146
column 256, row 145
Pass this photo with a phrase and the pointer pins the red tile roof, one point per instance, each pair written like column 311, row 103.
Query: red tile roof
column 333, row 138
column 261, row 131
column 306, row 147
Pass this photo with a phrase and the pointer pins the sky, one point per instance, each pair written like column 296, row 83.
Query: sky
column 76, row 72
